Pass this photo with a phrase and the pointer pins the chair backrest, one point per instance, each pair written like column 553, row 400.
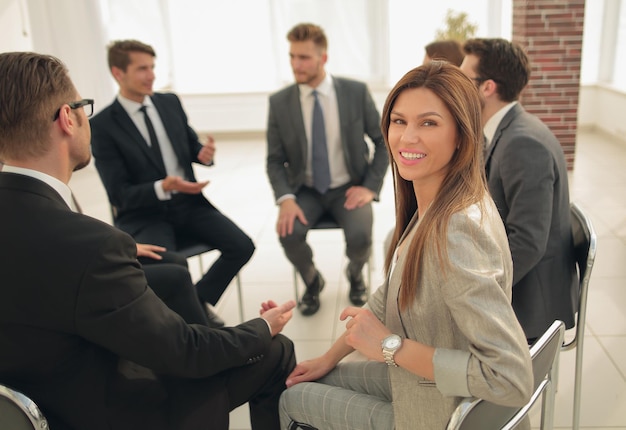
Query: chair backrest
column 475, row 414
column 190, row 247
column 585, row 252
column 18, row 412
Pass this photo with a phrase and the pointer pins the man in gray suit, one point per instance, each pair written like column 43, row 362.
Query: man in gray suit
column 527, row 178
column 318, row 162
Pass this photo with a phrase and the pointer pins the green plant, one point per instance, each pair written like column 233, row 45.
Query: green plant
column 456, row 27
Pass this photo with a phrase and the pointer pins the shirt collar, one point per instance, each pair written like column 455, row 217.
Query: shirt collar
column 492, row 124
column 323, row 88
column 132, row 106
column 61, row 188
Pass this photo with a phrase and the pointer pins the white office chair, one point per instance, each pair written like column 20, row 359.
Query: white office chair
column 18, row 412
column 585, row 252
column 478, row 414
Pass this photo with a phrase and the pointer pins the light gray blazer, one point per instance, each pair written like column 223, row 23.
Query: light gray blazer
column 527, row 178
column 466, row 314
column 287, row 142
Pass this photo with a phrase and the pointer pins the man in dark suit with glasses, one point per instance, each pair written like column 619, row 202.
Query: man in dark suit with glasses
column 75, row 304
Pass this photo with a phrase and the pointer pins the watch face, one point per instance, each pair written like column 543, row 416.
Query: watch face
column 392, row 343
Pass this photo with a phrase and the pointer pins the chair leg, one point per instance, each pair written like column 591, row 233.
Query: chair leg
column 578, row 373
column 369, row 273
column 549, row 396
column 240, row 294
column 547, row 408
column 295, row 285
column 555, row 381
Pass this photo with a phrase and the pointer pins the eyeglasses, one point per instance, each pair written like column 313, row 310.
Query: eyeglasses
column 479, row 80
column 86, row 104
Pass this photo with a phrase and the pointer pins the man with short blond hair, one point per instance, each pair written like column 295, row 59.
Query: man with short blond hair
column 318, row 162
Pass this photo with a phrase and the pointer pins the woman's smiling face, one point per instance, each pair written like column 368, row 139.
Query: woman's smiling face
column 422, row 137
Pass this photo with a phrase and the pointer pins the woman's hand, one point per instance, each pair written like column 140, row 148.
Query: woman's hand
column 364, row 332
column 310, row 370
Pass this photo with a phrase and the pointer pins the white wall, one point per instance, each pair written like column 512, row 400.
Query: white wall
column 238, row 113
column 603, row 108
column 15, row 26
column 600, row 107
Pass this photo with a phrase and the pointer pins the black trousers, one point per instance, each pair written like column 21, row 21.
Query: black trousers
column 172, row 403
column 170, row 280
column 206, row 403
column 194, row 216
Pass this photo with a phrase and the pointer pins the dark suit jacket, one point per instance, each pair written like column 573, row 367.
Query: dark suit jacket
column 287, row 142
column 128, row 167
column 73, row 300
column 527, row 178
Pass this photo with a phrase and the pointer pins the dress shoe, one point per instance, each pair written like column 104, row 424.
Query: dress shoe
column 310, row 302
column 214, row 320
column 358, row 291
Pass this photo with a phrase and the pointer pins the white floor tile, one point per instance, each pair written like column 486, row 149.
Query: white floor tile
column 606, row 305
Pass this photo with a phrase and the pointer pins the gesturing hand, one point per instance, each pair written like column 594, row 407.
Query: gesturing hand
column 206, row 154
column 364, row 332
column 176, row 183
column 277, row 316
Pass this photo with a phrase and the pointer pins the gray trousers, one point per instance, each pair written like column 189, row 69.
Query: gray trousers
column 356, row 225
column 353, row 396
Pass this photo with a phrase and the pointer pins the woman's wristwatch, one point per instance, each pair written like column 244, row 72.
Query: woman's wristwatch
column 390, row 345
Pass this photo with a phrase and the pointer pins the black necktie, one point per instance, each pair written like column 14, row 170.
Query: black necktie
column 154, row 143
column 321, row 168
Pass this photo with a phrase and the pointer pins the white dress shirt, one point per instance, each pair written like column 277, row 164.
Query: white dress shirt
column 170, row 160
column 339, row 174
column 64, row 191
column 492, row 124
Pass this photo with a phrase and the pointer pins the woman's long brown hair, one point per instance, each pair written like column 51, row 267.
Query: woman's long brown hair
column 464, row 183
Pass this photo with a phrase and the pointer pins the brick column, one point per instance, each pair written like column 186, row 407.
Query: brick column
column 552, row 33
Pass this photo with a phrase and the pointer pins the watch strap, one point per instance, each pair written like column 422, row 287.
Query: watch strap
column 388, row 355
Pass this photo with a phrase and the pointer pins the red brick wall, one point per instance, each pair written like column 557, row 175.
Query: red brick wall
column 552, row 33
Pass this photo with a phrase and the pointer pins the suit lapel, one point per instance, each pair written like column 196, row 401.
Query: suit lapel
column 342, row 106
column 295, row 109
column 165, row 112
column 504, row 124
column 121, row 118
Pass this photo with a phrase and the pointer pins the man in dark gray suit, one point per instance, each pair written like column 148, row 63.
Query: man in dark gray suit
column 527, row 178
column 318, row 161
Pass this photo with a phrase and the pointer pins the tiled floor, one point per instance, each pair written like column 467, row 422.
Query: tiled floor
column 240, row 188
